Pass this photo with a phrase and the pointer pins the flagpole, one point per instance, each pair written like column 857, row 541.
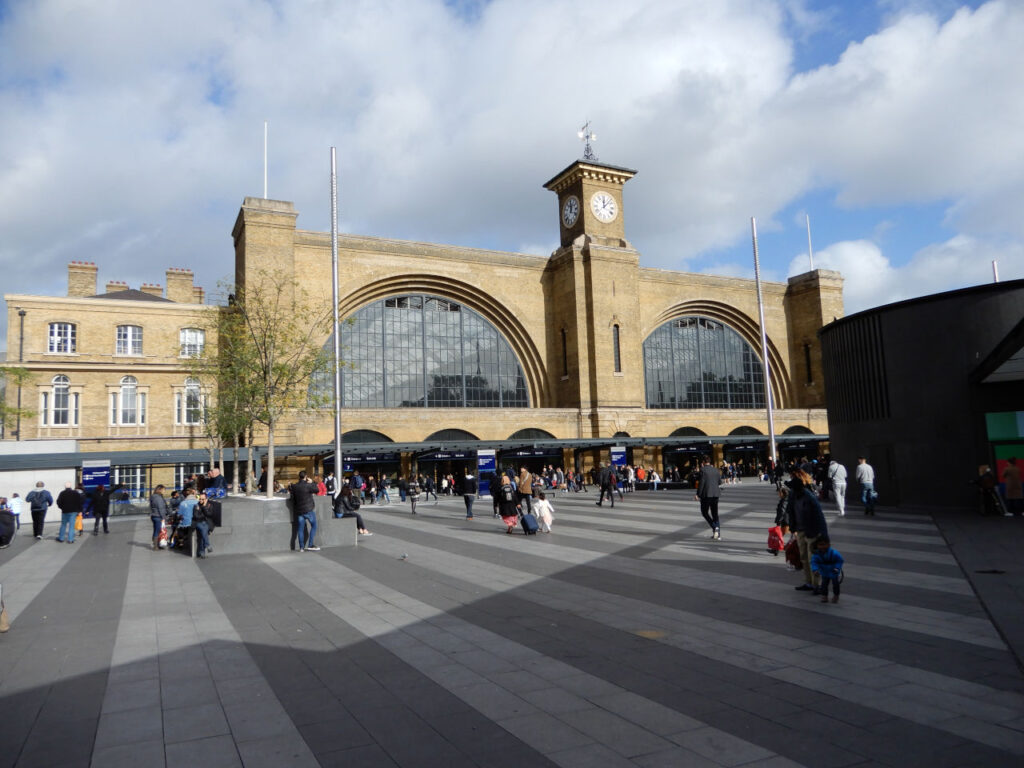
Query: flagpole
column 264, row 159
column 338, row 466
column 810, row 251
column 764, row 345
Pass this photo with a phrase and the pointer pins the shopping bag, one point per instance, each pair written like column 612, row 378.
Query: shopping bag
column 78, row 523
column 775, row 542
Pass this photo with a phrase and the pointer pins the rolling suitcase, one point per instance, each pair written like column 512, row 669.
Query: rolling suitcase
column 529, row 523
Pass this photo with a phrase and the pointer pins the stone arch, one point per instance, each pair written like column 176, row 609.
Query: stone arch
column 483, row 303
column 531, row 433
column 689, row 432
column 450, row 434
column 365, row 436
column 745, row 430
column 748, row 329
column 797, row 429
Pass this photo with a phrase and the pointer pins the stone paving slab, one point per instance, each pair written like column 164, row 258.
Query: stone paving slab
column 625, row 637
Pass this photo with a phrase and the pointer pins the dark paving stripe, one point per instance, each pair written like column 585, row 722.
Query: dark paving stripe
column 353, row 701
column 733, row 700
column 62, row 644
column 997, row 667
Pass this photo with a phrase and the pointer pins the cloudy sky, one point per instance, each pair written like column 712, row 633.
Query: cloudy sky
column 131, row 130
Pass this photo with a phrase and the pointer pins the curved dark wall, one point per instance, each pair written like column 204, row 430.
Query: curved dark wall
column 897, row 384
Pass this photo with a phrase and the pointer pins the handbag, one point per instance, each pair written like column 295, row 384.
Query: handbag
column 5, row 621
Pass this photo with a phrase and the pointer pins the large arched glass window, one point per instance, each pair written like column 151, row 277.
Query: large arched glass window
column 697, row 362
column 58, row 405
column 423, row 352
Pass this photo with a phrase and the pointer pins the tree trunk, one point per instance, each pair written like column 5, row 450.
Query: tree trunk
column 234, row 464
column 270, row 460
column 220, row 454
column 250, row 465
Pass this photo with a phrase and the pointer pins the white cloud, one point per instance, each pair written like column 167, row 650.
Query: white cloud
column 870, row 278
column 150, row 118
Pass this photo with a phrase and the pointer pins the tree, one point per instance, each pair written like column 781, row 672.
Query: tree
column 11, row 378
column 268, row 354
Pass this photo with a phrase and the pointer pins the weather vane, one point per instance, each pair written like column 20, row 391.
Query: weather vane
column 587, row 136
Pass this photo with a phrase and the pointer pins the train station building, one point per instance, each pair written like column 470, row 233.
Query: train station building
column 447, row 350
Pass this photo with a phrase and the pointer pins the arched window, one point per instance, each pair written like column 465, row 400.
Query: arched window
column 128, row 404
column 421, row 351
column 531, row 433
column 365, row 436
column 58, row 407
column 63, row 338
column 189, row 404
column 193, row 341
column 129, row 340
column 697, row 362
column 450, row 434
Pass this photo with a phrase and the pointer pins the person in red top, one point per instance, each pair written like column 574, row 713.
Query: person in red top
column 641, row 474
column 321, row 486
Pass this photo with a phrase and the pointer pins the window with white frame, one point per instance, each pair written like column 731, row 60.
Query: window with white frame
column 63, row 338
column 129, row 340
column 131, row 478
column 58, row 406
column 128, row 404
column 193, row 340
column 189, row 403
column 182, row 472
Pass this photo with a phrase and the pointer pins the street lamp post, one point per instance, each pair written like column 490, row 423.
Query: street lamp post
column 21, row 358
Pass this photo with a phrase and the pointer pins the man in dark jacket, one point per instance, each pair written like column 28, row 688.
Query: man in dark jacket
column 469, row 492
column 808, row 521
column 69, row 501
column 39, row 501
column 708, row 494
column 304, row 509
column 604, row 480
column 100, row 508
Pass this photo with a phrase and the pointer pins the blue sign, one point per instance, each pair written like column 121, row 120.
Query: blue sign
column 444, row 455
column 95, row 472
column 486, row 465
column 618, row 456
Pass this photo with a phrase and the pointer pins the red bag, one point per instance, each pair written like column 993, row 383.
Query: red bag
column 775, row 542
column 793, row 554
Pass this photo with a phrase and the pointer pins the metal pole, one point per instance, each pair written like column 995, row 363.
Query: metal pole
column 21, row 358
column 995, row 271
column 338, row 467
column 264, row 159
column 764, row 345
column 810, row 251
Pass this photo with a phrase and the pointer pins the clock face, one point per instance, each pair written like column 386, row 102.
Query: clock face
column 570, row 211
column 604, row 207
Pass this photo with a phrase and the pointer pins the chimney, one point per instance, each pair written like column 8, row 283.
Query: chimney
column 82, row 278
column 113, row 286
column 198, row 295
column 153, row 289
column 179, row 285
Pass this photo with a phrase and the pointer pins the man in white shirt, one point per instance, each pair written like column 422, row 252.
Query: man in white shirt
column 866, row 478
column 837, row 477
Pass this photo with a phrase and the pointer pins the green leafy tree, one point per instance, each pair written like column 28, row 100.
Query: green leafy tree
column 268, row 353
column 12, row 377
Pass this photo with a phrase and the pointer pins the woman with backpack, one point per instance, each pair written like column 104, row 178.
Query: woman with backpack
column 507, row 506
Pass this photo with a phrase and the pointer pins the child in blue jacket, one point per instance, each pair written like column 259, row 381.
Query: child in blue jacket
column 828, row 564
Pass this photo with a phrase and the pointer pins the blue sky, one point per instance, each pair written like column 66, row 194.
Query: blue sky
column 134, row 130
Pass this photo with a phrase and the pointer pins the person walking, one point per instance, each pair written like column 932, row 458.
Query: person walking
column 1014, row 491
column 69, row 501
column 808, row 521
column 524, row 486
column 604, row 480
column 157, row 513
column 469, row 492
column 429, row 489
column 100, row 508
column 866, row 478
column 39, row 502
column 545, row 513
column 17, row 504
column 202, row 520
column 303, row 495
column 837, row 478
column 708, row 493
column 413, row 494
column 507, row 506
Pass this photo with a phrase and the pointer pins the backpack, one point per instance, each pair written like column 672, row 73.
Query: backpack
column 36, row 501
column 506, row 494
column 355, row 502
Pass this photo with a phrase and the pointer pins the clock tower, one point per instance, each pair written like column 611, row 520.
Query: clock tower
column 590, row 201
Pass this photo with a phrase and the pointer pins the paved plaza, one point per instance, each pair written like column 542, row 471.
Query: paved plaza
column 624, row 638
